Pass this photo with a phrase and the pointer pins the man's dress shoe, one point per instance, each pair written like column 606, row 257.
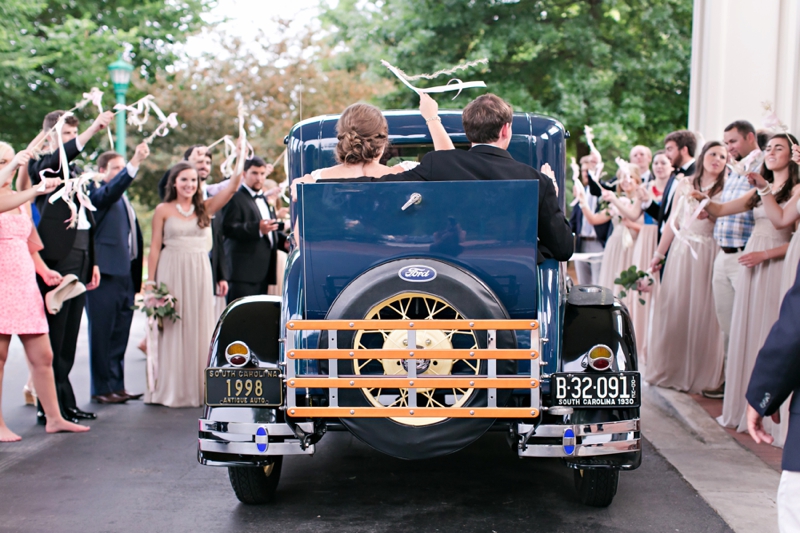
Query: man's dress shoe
column 109, row 398
column 128, row 395
column 74, row 412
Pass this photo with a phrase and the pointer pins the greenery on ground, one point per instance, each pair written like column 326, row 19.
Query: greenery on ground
column 621, row 66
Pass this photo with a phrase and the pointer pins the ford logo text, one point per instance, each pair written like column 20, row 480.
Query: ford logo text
column 417, row 273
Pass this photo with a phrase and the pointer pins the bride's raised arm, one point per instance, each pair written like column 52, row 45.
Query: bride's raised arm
column 430, row 112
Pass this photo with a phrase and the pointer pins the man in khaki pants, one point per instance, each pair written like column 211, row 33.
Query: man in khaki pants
column 731, row 233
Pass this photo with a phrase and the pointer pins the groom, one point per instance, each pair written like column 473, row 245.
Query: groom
column 487, row 124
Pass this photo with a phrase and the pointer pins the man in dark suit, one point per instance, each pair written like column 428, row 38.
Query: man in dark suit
column 67, row 251
column 251, row 233
column 487, row 124
column 118, row 248
column 776, row 375
column 680, row 148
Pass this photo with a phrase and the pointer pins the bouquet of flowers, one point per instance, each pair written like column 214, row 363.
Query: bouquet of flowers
column 157, row 303
column 634, row 279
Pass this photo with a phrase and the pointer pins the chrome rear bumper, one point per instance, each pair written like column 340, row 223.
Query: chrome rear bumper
column 581, row 440
column 237, row 439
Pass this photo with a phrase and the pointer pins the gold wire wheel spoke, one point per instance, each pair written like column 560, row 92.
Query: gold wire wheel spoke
column 407, row 306
column 468, row 363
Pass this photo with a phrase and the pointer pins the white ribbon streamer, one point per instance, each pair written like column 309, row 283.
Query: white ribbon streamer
column 450, row 86
column 684, row 210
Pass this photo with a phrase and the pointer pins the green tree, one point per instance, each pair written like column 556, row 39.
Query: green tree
column 621, row 66
column 51, row 51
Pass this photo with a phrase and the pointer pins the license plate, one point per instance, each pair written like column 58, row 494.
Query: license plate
column 596, row 390
column 246, row 387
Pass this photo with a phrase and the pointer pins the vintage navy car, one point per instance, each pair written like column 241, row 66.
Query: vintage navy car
column 415, row 316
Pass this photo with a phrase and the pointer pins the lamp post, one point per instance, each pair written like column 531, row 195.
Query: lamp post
column 120, row 71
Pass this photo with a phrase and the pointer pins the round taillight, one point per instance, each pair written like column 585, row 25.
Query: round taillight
column 238, row 353
column 600, row 357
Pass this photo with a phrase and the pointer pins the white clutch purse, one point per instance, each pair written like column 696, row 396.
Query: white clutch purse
column 69, row 287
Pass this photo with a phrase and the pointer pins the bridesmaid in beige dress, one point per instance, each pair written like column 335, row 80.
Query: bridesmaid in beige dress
column 756, row 306
column 646, row 245
column 618, row 254
column 182, row 226
column 786, row 217
column 685, row 350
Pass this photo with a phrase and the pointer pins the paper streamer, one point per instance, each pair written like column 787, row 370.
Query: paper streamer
column 450, row 86
column 139, row 114
column 684, row 210
column 95, row 96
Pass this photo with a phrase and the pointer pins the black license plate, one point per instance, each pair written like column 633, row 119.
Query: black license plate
column 596, row 390
column 246, row 387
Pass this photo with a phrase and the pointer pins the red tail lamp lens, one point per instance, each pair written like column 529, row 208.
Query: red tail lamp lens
column 237, row 353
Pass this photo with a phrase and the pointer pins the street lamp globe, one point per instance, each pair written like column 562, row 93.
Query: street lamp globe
column 120, row 71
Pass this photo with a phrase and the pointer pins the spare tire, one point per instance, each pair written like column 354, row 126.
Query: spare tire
column 447, row 292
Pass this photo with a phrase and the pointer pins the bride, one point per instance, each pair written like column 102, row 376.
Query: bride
column 179, row 258
column 363, row 135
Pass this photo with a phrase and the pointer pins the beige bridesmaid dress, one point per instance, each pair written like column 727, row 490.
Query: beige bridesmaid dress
column 685, row 350
column 182, row 347
column 755, row 310
column 790, row 263
column 618, row 256
column 646, row 245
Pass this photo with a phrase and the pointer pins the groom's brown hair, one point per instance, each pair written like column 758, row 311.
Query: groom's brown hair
column 484, row 117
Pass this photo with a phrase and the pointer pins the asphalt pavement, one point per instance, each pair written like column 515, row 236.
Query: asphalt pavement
column 136, row 470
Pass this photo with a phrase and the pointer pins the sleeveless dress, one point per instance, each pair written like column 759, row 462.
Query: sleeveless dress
column 646, row 245
column 755, row 310
column 182, row 346
column 685, row 349
column 21, row 305
column 790, row 263
column 618, row 256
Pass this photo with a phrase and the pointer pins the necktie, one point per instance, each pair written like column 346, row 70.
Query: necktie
column 132, row 244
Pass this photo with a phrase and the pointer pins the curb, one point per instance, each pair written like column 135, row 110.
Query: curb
column 739, row 486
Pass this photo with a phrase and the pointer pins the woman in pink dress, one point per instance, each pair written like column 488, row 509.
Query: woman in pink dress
column 21, row 306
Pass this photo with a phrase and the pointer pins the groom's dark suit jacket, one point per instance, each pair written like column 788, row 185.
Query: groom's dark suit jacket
column 252, row 257
column 485, row 162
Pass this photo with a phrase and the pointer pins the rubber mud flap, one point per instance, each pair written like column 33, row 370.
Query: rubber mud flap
column 463, row 292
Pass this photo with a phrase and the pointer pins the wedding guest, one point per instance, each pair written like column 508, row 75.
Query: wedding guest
column 685, row 350
column 588, row 237
column 618, row 253
column 679, row 147
column 118, row 248
column 786, row 217
column 645, row 247
column 179, row 259
column 21, row 306
column 641, row 156
column 68, row 251
column 273, row 194
column 731, row 232
column 252, row 238
column 758, row 285
column 775, row 377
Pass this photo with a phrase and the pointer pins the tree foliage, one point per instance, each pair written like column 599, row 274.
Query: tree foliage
column 621, row 66
column 51, row 51
column 269, row 77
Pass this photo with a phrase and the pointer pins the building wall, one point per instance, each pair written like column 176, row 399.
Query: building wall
column 744, row 52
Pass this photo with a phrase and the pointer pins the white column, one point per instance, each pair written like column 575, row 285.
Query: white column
column 744, row 52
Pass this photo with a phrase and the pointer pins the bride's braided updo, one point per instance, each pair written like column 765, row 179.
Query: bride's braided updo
column 363, row 134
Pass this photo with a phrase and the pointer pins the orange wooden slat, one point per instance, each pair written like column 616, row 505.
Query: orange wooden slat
column 394, row 382
column 406, row 412
column 354, row 325
column 418, row 354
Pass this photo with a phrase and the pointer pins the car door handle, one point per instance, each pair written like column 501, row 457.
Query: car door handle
column 414, row 199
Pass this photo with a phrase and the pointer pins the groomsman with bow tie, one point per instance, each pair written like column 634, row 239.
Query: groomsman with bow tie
column 252, row 234
column 118, row 248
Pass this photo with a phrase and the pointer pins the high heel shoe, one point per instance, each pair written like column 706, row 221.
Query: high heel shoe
column 30, row 396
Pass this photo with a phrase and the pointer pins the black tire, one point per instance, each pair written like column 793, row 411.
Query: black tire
column 465, row 293
column 596, row 487
column 252, row 485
